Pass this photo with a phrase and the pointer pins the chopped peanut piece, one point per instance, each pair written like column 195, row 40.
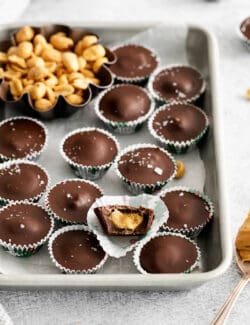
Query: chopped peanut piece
column 180, row 169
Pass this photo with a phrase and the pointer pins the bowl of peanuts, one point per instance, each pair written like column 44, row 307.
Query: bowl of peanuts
column 53, row 71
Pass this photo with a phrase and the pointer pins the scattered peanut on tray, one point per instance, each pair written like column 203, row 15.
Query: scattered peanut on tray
column 180, row 169
column 48, row 68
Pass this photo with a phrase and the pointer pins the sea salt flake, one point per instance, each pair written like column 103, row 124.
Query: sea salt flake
column 22, row 226
column 181, row 194
column 158, row 170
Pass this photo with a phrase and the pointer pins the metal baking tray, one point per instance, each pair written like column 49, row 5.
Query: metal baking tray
column 215, row 241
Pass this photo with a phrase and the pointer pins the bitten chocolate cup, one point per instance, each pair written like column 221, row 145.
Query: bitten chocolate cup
column 134, row 64
column 124, row 108
column 167, row 253
column 189, row 210
column 61, row 108
column 69, row 200
column 22, row 180
column 145, row 168
column 90, row 152
column 244, row 32
column 24, row 228
column 22, row 138
column 75, row 249
column 176, row 84
column 178, row 127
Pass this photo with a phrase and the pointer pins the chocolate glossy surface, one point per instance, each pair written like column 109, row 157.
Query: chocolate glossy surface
column 146, row 165
column 77, row 250
column 168, row 254
column 134, row 61
column 23, row 224
column 185, row 209
column 178, row 83
column 90, row 148
column 22, row 181
column 179, row 122
column 245, row 27
column 20, row 138
column 124, row 103
column 71, row 200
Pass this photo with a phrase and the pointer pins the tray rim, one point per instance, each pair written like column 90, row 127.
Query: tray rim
column 140, row 281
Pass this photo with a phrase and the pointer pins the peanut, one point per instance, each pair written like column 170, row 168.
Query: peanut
column 94, row 52
column 38, row 91
column 80, row 84
column 74, row 99
column 35, row 61
column 98, row 63
column 25, row 33
column 50, row 95
column 3, row 57
column 25, row 50
column 37, row 73
column 180, row 169
column 16, row 87
column 70, row 61
column 17, row 60
column 51, row 81
column 43, row 104
column 88, row 41
column 64, row 90
column 61, row 42
column 50, row 54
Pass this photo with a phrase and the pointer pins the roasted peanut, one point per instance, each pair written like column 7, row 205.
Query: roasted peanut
column 16, row 87
column 87, row 73
column 70, row 61
column 180, row 169
column 80, row 84
column 98, row 63
column 62, row 80
column 50, row 54
column 51, row 81
column 78, row 48
column 248, row 93
column 43, row 104
column 51, row 66
column 12, row 50
column 1, row 73
column 93, row 81
column 64, row 90
column 9, row 75
column 50, row 95
column 40, row 39
column 37, row 73
column 27, row 82
column 61, row 42
column 75, row 75
column 25, row 33
column 94, row 52
column 35, row 61
column 38, row 91
column 25, row 50
column 15, row 67
column 74, row 99
column 17, row 60
column 81, row 62
column 88, row 41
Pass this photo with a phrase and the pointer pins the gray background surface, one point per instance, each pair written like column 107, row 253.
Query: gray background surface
column 200, row 305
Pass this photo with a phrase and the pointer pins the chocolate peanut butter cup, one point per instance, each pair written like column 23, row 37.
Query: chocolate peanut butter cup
column 21, row 138
column 167, row 253
column 178, row 127
column 189, row 210
column 135, row 63
column 70, row 200
column 244, row 31
column 176, row 84
column 89, row 151
column 24, row 228
column 75, row 249
column 145, row 168
column 22, row 180
column 124, row 108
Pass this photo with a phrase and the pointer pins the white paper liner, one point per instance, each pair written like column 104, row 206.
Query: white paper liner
column 137, row 188
column 61, row 267
column 83, row 171
column 138, row 79
column 118, row 246
column 27, row 249
column 126, row 127
column 32, row 155
column 177, row 146
column 189, row 231
column 163, row 100
column 53, row 213
column 137, row 252
column 33, row 199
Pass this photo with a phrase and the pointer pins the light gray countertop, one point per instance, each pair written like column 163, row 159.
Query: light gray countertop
column 200, row 305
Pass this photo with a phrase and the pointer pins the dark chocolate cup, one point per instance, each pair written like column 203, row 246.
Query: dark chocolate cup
column 126, row 127
column 242, row 36
column 33, row 155
column 189, row 231
column 178, row 147
column 137, row 80
column 83, row 171
column 137, row 252
column 161, row 100
column 61, row 108
column 62, row 268
column 139, row 188
column 31, row 248
column 34, row 199
column 54, row 214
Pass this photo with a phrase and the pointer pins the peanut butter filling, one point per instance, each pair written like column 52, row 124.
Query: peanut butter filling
column 126, row 220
